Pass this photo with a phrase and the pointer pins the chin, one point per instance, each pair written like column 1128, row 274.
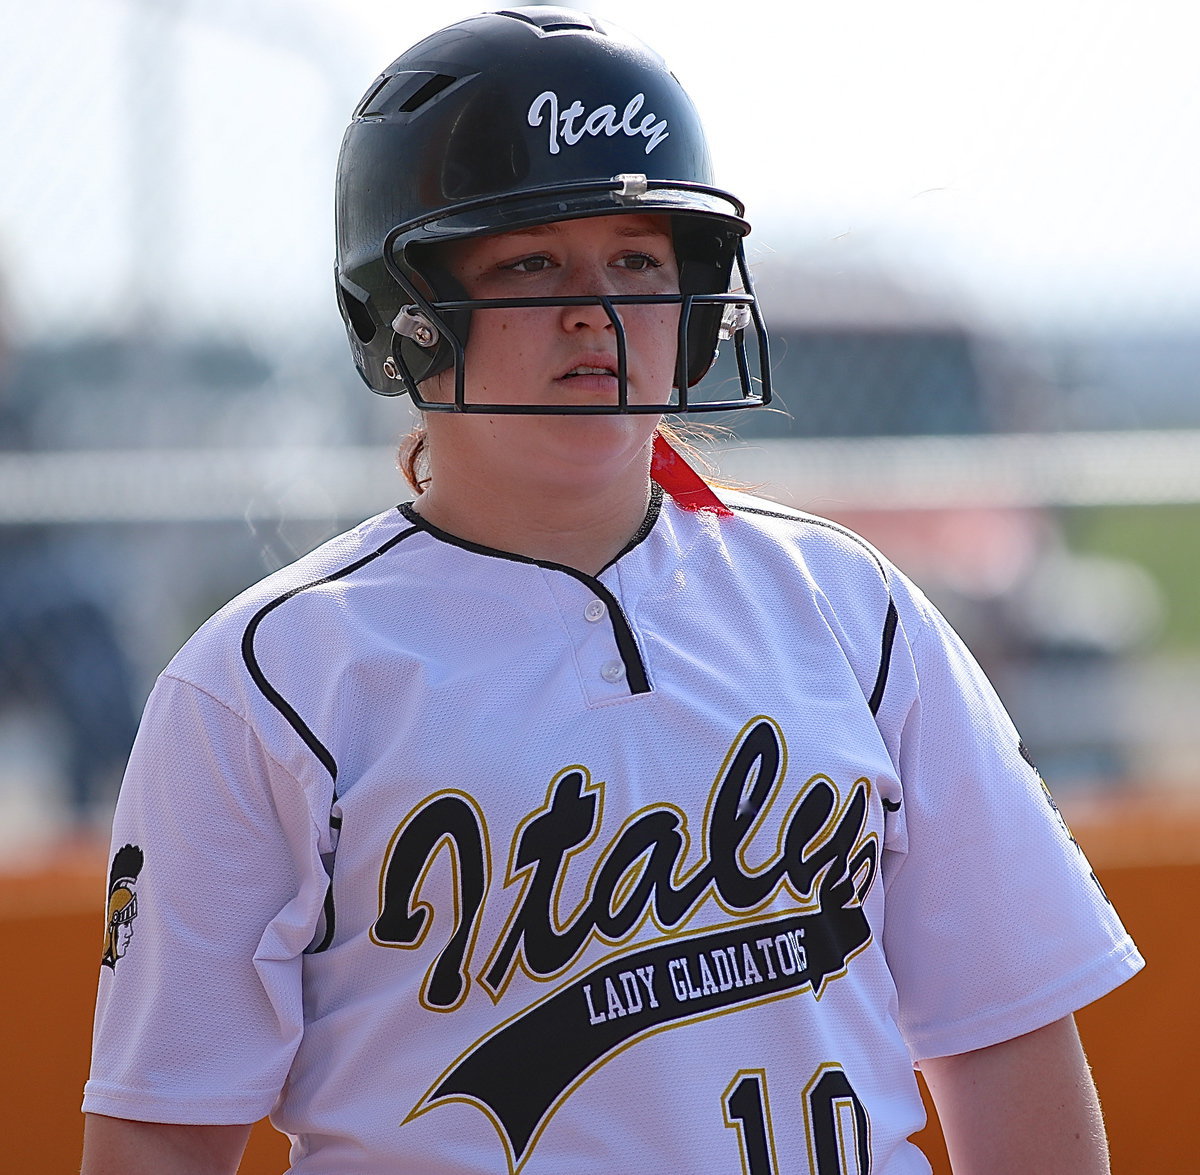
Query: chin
column 596, row 441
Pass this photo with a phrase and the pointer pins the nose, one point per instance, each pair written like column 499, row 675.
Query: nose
column 586, row 317
column 586, row 280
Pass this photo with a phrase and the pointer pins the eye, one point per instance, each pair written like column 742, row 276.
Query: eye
column 534, row 263
column 638, row 262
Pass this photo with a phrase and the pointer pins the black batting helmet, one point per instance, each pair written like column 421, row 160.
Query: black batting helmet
column 518, row 118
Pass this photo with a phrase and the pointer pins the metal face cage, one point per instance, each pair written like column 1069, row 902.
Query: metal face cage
column 429, row 323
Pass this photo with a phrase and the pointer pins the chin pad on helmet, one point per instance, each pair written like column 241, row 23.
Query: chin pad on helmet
column 705, row 252
column 433, row 283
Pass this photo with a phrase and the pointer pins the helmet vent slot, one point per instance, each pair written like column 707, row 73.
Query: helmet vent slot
column 356, row 313
column 403, row 93
column 553, row 20
column 431, row 89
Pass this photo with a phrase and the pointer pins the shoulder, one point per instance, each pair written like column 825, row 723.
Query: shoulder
column 815, row 576
column 823, row 545
column 859, row 582
column 336, row 575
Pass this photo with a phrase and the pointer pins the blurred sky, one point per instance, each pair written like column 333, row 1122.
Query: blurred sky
column 173, row 159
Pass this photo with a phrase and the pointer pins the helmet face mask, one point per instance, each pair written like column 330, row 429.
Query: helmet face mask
column 510, row 120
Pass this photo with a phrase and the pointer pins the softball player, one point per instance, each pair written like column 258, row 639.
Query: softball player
column 577, row 816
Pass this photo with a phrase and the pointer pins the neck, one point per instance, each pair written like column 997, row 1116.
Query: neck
column 583, row 524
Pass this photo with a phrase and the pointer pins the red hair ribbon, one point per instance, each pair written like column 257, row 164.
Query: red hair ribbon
column 688, row 489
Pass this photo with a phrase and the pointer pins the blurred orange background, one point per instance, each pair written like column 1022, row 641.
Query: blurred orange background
column 1140, row 1039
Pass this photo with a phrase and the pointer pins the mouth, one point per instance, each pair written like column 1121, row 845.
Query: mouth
column 589, row 369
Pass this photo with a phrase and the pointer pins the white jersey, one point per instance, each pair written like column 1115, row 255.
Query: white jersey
column 460, row 862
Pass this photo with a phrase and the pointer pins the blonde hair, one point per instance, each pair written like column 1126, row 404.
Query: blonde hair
column 412, row 459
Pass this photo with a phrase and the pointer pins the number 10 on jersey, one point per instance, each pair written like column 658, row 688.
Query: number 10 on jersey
column 836, row 1124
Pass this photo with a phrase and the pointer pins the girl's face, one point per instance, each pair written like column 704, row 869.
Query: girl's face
column 568, row 354
column 559, row 355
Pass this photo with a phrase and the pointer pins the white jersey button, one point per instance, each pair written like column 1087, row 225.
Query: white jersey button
column 612, row 671
column 595, row 611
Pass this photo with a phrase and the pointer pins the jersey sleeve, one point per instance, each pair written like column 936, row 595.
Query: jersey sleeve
column 217, row 855
column 995, row 923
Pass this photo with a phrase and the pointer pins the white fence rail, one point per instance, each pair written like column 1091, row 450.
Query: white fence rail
column 182, row 485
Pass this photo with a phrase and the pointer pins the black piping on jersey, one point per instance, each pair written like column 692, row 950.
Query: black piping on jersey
column 272, row 695
column 268, row 691
column 885, row 656
column 627, row 646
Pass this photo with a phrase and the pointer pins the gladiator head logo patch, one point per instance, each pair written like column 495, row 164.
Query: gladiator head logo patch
column 122, row 903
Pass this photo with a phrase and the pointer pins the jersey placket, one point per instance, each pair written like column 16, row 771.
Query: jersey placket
column 607, row 656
